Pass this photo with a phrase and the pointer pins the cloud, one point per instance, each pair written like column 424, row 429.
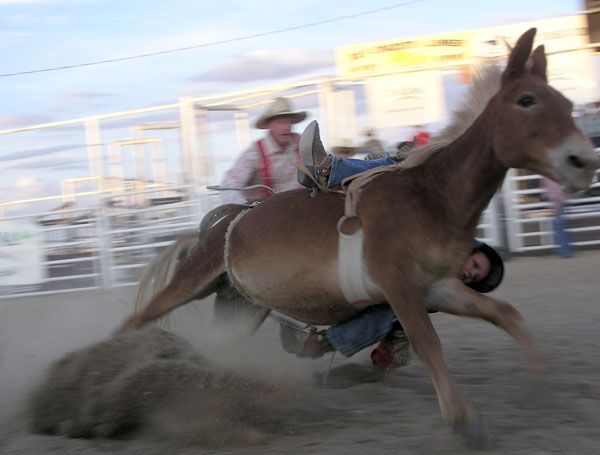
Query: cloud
column 19, row 120
column 28, row 187
column 25, row 182
column 26, row 2
column 83, row 102
column 268, row 64
column 167, row 116
column 15, row 34
column 49, row 164
column 44, row 151
column 72, row 96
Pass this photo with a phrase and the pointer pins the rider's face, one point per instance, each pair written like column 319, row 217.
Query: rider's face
column 476, row 268
column 281, row 129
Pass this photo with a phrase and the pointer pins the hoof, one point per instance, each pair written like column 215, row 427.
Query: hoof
column 475, row 432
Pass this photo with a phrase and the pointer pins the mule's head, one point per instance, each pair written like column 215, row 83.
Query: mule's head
column 532, row 123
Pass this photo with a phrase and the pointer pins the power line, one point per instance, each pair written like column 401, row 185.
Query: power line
column 216, row 43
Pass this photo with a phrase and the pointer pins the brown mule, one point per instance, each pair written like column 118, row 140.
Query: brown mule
column 418, row 224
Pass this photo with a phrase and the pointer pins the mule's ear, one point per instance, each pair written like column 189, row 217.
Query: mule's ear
column 519, row 56
column 539, row 64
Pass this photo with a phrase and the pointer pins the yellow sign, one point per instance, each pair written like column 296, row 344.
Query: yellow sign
column 389, row 56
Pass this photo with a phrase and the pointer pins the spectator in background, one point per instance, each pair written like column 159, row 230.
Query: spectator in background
column 557, row 198
column 421, row 136
column 345, row 151
column 403, row 149
column 372, row 146
column 270, row 160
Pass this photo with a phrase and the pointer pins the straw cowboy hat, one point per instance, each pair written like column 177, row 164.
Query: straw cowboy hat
column 345, row 148
column 278, row 108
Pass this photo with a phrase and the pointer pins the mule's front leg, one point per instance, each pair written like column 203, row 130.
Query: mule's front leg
column 405, row 299
column 452, row 296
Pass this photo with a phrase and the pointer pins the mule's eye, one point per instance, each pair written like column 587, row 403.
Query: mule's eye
column 526, row 101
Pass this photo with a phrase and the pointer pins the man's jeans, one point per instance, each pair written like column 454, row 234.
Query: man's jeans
column 366, row 329
column 345, row 167
column 561, row 235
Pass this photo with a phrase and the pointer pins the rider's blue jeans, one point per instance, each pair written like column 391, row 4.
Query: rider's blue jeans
column 345, row 167
column 374, row 323
column 366, row 329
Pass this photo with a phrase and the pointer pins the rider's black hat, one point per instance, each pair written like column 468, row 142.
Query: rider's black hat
column 494, row 278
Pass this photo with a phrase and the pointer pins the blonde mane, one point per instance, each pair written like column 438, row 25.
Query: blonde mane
column 486, row 83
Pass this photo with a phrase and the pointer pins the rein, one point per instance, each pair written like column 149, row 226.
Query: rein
column 242, row 188
column 353, row 185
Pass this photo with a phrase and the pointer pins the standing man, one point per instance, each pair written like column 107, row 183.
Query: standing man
column 421, row 136
column 557, row 197
column 372, row 146
column 270, row 160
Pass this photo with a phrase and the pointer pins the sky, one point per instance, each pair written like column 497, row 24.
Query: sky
column 42, row 34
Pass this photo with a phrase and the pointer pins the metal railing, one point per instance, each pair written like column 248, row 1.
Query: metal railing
column 529, row 216
column 108, row 245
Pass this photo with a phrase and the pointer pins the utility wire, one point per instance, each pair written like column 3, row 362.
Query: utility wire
column 216, row 43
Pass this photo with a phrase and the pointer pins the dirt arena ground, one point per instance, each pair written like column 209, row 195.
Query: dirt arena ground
column 353, row 414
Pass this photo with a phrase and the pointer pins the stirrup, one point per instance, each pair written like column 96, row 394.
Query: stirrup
column 304, row 180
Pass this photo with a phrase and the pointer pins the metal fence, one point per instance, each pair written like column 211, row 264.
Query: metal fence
column 109, row 244
column 529, row 216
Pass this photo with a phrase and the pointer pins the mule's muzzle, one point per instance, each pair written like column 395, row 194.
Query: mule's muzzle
column 575, row 163
column 585, row 166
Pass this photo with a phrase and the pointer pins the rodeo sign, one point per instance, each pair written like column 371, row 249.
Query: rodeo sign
column 21, row 260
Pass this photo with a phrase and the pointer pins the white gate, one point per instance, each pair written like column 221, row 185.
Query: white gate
column 529, row 216
column 109, row 244
column 489, row 228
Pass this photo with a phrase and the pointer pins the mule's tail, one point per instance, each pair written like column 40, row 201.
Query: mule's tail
column 159, row 273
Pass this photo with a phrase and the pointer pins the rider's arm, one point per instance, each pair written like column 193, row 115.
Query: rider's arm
column 240, row 175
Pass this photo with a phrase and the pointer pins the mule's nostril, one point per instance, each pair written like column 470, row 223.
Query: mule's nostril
column 576, row 162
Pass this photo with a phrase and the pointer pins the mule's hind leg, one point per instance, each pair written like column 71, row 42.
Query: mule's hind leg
column 451, row 296
column 232, row 308
column 198, row 276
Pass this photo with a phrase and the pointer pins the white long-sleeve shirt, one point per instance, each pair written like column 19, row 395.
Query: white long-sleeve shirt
column 248, row 170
